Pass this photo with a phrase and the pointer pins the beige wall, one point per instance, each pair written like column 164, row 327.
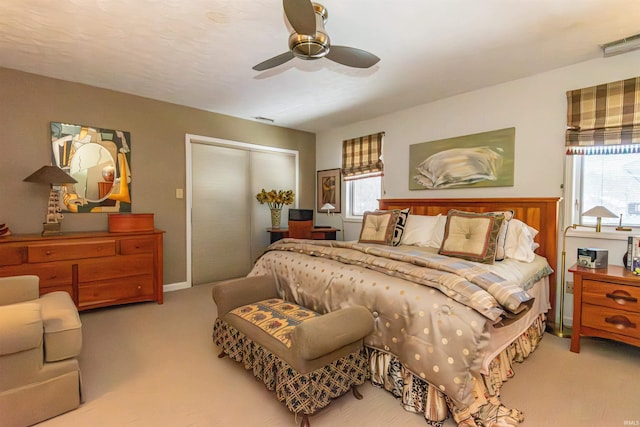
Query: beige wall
column 28, row 103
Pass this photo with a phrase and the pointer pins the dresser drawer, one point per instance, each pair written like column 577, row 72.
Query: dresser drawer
column 50, row 274
column 114, row 267
column 615, row 321
column 70, row 250
column 611, row 295
column 11, row 255
column 107, row 292
column 53, row 274
column 137, row 246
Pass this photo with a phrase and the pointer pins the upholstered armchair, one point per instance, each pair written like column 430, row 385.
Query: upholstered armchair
column 40, row 338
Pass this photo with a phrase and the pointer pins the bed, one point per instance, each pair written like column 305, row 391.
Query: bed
column 448, row 325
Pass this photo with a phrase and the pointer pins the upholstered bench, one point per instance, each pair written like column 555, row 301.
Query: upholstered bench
column 308, row 358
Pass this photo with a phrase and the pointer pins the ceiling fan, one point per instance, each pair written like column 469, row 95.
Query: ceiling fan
column 310, row 40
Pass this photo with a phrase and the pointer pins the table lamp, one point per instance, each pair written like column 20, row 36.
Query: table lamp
column 53, row 176
column 328, row 207
column 599, row 212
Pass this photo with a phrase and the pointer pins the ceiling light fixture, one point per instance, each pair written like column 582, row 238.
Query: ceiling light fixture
column 621, row 46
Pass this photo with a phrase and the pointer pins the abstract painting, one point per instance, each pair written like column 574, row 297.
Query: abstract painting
column 100, row 160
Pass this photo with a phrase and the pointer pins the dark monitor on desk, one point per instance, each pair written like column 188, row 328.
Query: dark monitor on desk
column 300, row 214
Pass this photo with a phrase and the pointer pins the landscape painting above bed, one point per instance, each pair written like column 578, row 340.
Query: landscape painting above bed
column 479, row 160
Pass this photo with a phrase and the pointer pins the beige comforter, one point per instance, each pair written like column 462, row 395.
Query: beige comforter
column 432, row 312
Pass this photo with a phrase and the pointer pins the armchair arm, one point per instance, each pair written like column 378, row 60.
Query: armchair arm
column 234, row 293
column 21, row 327
column 326, row 333
column 19, row 289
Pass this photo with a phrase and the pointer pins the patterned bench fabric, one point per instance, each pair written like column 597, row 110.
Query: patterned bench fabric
column 301, row 393
column 275, row 316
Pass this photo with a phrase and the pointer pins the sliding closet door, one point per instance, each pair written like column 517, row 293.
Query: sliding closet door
column 269, row 170
column 221, row 213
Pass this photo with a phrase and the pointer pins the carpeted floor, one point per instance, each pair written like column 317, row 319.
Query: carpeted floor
column 155, row 365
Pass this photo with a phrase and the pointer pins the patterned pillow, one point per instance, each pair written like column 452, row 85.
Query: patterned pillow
column 502, row 234
column 471, row 236
column 403, row 215
column 379, row 227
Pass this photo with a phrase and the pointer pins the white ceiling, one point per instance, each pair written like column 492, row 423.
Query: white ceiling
column 200, row 53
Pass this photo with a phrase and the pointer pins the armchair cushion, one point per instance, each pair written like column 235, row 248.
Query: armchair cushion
column 62, row 326
column 16, row 289
column 21, row 327
column 39, row 339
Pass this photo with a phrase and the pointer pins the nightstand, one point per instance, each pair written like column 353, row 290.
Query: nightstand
column 605, row 305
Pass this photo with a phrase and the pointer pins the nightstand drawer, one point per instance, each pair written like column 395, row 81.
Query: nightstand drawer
column 615, row 321
column 611, row 295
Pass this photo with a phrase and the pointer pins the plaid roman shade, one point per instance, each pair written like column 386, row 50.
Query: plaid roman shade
column 361, row 157
column 604, row 119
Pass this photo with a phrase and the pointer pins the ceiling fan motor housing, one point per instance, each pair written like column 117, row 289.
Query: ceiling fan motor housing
column 312, row 46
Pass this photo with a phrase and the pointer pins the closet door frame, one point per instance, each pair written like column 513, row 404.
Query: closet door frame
column 199, row 139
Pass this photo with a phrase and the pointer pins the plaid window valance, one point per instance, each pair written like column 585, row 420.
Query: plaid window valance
column 361, row 157
column 604, row 119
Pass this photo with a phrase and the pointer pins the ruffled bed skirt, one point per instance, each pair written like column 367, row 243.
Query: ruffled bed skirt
column 418, row 396
column 301, row 393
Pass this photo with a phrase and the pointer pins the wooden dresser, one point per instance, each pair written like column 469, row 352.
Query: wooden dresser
column 97, row 269
column 605, row 304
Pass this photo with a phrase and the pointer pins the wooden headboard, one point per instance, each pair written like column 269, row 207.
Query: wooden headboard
column 540, row 213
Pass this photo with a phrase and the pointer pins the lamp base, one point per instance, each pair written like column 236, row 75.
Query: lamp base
column 565, row 332
column 51, row 228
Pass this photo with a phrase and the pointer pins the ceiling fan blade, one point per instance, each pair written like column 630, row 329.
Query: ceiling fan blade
column 274, row 62
column 301, row 16
column 352, row 57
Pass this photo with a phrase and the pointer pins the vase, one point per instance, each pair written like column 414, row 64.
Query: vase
column 276, row 215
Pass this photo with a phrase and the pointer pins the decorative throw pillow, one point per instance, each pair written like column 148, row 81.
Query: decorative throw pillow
column 378, row 227
column 403, row 216
column 472, row 236
column 502, row 234
column 420, row 229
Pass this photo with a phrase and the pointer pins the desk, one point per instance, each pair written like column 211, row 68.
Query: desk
column 317, row 233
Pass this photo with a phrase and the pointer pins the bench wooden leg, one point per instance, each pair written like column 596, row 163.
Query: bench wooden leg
column 356, row 393
column 305, row 421
column 222, row 354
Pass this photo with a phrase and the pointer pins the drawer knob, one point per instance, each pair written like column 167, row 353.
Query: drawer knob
column 620, row 322
column 621, row 297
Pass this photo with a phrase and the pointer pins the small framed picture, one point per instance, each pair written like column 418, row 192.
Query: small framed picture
column 329, row 184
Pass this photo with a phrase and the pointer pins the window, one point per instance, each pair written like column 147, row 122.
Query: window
column 362, row 168
column 363, row 195
column 609, row 180
column 603, row 152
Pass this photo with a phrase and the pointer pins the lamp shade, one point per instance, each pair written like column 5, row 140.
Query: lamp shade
column 50, row 175
column 327, row 207
column 599, row 211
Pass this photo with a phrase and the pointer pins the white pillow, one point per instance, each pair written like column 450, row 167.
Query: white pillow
column 519, row 244
column 438, row 233
column 420, row 229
